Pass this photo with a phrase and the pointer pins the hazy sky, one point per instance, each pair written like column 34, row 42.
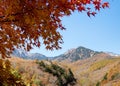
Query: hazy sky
column 100, row 33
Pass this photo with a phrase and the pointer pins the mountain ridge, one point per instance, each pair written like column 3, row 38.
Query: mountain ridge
column 77, row 54
column 71, row 55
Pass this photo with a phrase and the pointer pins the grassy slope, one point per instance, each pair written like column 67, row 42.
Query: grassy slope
column 112, row 76
column 93, row 70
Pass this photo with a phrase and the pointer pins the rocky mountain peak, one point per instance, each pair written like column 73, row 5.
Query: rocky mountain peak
column 76, row 54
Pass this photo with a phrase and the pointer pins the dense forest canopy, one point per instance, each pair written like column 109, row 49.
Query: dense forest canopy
column 24, row 22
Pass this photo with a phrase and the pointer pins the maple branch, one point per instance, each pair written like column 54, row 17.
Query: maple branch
column 2, row 16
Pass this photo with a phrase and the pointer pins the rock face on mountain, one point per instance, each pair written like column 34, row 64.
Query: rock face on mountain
column 20, row 53
column 77, row 54
column 24, row 54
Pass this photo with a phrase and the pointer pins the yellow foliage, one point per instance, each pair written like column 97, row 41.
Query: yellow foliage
column 8, row 76
column 101, row 64
column 113, row 76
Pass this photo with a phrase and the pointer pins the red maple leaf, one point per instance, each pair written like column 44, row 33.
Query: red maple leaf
column 81, row 8
column 106, row 4
column 88, row 13
column 97, row 7
column 93, row 13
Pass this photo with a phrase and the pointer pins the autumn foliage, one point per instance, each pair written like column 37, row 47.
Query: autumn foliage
column 28, row 23
column 9, row 76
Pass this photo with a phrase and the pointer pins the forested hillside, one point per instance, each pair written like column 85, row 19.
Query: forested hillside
column 97, row 71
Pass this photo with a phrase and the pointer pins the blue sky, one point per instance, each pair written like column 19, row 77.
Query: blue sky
column 100, row 33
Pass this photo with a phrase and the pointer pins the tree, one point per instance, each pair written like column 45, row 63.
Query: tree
column 24, row 23
column 64, row 77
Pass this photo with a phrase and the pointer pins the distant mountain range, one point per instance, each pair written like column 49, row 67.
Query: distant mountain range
column 95, row 68
column 71, row 55
column 24, row 54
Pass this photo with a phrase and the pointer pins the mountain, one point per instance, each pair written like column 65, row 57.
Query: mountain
column 37, row 56
column 101, row 69
column 95, row 68
column 24, row 54
column 20, row 53
column 113, row 54
column 77, row 54
column 71, row 55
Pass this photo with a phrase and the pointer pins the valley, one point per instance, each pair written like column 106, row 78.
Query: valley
column 89, row 68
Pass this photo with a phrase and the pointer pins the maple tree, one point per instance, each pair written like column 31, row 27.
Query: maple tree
column 24, row 23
